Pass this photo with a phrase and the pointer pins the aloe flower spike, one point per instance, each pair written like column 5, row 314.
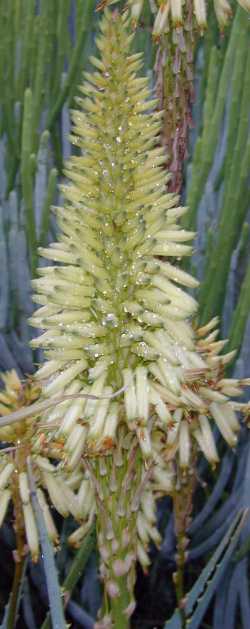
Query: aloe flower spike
column 116, row 319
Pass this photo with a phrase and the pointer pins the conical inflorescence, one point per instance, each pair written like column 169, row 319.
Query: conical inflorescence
column 115, row 317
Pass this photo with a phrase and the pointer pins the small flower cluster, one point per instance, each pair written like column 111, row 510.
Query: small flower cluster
column 174, row 12
column 205, row 397
column 24, row 441
column 177, row 26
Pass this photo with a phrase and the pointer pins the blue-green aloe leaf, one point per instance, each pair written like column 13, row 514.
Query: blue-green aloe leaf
column 200, row 595
column 51, row 575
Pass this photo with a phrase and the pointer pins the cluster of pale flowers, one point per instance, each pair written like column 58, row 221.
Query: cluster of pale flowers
column 183, row 412
column 23, row 442
column 174, row 11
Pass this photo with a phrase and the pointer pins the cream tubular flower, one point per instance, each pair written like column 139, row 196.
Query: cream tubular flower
column 136, row 7
column 161, row 19
column 245, row 4
column 200, row 13
column 176, row 12
column 223, row 12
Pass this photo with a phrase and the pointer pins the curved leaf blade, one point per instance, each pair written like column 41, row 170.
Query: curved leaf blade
column 200, row 595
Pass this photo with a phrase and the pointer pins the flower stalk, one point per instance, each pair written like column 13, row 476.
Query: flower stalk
column 182, row 507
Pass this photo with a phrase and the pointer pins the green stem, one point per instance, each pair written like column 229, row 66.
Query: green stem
column 76, row 569
column 46, row 206
column 240, row 315
column 15, row 593
column 209, row 137
column 62, row 97
column 117, row 605
column 182, row 504
column 179, row 579
column 27, row 179
column 80, row 561
column 20, row 563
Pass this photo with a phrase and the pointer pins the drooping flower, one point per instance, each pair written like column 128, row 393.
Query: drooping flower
column 245, row 4
column 223, row 12
column 115, row 315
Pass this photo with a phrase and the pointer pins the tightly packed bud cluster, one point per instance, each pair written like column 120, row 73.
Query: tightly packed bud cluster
column 25, row 441
column 174, row 68
column 115, row 316
column 173, row 13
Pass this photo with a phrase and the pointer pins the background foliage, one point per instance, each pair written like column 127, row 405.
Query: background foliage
column 44, row 48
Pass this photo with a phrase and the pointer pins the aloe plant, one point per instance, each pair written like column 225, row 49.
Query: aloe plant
column 124, row 322
column 36, row 228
